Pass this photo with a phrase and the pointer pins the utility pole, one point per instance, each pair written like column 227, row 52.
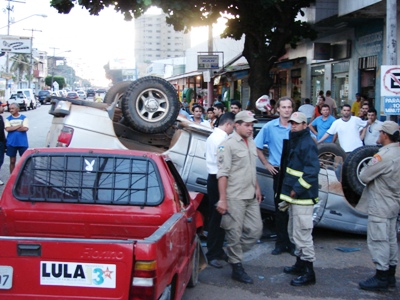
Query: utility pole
column 391, row 37
column 30, row 76
column 53, row 63
column 210, row 89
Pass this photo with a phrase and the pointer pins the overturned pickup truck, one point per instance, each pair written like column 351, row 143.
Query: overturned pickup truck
column 144, row 115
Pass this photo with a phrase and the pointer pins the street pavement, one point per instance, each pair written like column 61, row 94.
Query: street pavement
column 338, row 273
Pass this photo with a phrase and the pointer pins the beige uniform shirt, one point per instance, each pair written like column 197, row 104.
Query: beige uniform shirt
column 381, row 196
column 237, row 161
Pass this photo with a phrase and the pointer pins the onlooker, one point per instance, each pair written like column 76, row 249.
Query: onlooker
column 219, row 110
column 185, row 105
column 322, row 123
column 199, row 100
column 236, row 106
column 331, row 102
column 356, row 105
column 300, row 193
column 317, row 109
column 2, row 137
column 363, row 112
column 307, row 109
column 273, row 110
column 183, row 112
column 380, row 199
column 272, row 134
column 348, row 130
column 369, row 135
column 239, row 193
column 211, row 116
column 197, row 117
column 17, row 139
column 216, row 235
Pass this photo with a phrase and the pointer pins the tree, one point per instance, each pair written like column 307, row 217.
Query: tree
column 20, row 65
column 268, row 26
column 59, row 79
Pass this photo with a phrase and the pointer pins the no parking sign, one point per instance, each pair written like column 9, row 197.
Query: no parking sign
column 390, row 89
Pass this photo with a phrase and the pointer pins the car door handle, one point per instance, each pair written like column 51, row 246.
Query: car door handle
column 334, row 212
column 189, row 220
column 29, row 250
column 201, row 181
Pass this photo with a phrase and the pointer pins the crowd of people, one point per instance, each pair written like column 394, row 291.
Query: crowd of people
column 292, row 139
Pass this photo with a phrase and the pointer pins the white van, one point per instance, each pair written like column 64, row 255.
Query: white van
column 31, row 97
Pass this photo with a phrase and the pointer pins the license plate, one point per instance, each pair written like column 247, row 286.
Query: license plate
column 6, row 274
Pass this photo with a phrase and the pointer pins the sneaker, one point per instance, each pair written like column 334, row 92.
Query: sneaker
column 1, row 182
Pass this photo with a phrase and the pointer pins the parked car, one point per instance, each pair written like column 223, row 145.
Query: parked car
column 90, row 93
column 82, row 95
column 30, row 95
column 125, row 122
column 101, row 91
column 44, row 96
column 72, row 95
column 20, row 99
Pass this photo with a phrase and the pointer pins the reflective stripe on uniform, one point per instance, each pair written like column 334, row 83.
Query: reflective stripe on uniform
column 298, row 201
column 299, row 174
column 294, row 172
column 304, row 183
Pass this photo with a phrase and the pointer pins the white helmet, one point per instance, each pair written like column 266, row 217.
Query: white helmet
column 262, row 103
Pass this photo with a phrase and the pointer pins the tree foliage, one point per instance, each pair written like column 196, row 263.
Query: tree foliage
column 59, row 79
column 268, row 25
column 20, row 65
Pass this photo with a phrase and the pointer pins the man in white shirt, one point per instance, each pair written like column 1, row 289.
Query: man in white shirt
column 348, row 130
column 331, row 102
column 307, row 109
column 216, row 234
column 369, row 135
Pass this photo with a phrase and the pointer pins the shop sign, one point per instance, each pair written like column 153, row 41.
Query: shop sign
column 207, row 62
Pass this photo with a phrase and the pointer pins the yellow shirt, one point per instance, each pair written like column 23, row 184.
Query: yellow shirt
column 355, row 108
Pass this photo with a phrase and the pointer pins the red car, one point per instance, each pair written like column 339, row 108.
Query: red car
column 73, row 95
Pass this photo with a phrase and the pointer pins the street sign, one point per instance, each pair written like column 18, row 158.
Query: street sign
column 390, row 89
column 15, row 44
column 207, row 62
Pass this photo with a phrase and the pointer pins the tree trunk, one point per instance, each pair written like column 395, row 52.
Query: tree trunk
column 260, row 63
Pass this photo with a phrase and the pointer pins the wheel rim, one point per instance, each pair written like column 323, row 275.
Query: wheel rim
column 363, row 163
column 152, row 105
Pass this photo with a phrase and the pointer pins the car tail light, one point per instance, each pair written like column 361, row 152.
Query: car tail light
column 65, row 137
column 144, row 280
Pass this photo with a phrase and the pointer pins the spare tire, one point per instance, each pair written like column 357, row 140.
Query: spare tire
column 116, row 91
column 354, row 163
column 150, row 105
column 328, row 151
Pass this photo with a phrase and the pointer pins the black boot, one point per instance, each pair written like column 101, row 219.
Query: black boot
column 239, row 274
column 307, row 278
column 298, row 268
column 392, row 276
column 379, row 282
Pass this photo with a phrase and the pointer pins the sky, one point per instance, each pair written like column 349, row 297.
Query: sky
column 87, row 42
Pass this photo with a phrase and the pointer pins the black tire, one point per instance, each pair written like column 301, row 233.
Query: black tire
column 194, row 278
column 150, row 105
column 353, row 165
column 328, row 151
column 117, row 90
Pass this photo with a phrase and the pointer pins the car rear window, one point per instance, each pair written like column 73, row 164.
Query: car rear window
column 112, row 180
column 72, row 94
column 44, row 93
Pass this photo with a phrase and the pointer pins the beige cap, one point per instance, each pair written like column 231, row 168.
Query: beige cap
column 245, row 116
column 298, row 117
column 389, row 127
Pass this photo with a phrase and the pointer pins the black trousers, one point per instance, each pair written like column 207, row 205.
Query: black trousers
column 281, row 220
column 216, row 235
